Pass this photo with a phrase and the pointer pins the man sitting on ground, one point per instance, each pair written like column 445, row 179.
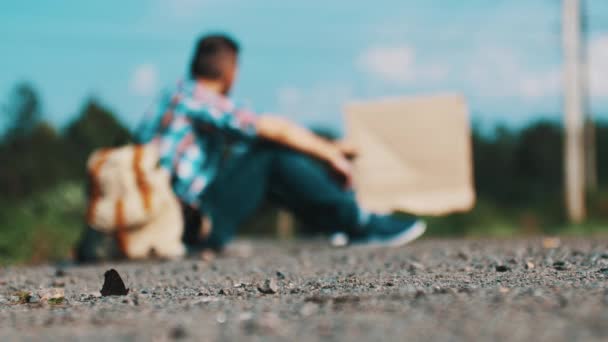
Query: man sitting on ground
column 225, row 160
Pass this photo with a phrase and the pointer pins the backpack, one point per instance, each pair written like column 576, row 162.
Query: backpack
column 131, row 200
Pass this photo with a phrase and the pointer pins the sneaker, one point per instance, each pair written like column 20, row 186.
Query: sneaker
column 390, row 231
column 339, row 239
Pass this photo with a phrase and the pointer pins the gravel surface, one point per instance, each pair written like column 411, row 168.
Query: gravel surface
column 533, row 290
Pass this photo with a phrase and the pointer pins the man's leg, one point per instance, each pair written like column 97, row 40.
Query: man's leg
column 313, row 193
column 290, row 179
column 303, row 185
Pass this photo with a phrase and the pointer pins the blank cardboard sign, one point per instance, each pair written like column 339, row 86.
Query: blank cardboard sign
column 414, row 154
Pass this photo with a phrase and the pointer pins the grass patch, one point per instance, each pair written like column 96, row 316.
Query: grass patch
column 42, row 228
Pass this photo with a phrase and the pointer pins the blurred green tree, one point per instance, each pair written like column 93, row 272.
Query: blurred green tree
column 22, row 112
column 96, row 126
column 31, row 150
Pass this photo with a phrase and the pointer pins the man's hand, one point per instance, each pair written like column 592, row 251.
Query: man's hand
column 343, row 167
column 286, row 133
column 348, row 150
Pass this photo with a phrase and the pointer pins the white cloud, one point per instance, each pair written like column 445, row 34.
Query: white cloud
column 533, row 85
column 398, row 65
column 500, row 72
column 319, row 104
column 144, row 80
column 388, row 63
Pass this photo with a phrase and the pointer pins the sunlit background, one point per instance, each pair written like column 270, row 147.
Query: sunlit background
column 302, row 58
column 79, row 75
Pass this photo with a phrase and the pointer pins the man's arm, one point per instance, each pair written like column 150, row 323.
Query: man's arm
column 284, row 132
column 279, row 130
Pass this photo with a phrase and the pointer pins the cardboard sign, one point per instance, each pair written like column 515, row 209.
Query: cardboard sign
column 415, row 154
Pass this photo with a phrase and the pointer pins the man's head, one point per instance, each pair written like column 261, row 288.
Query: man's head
column 215, row 59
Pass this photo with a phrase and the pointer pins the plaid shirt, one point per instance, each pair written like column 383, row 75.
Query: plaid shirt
column 194, row 128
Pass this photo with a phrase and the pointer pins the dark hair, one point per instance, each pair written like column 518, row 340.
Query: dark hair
column 211, row 54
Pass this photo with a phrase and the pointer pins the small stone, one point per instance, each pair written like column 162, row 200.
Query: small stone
column 551, row 242
column 467, row 269
column 206, row 299
column 440, row 290
column 280, row 275
column 52, row 293
column 23, row 297
column 466, row 290
column 207, row 256
column 415, row 266
column 462, row 255
column 34, row 298
column 560, row 265
column 135, row 299
column 245, row 316
column 309, row 309
column 502, row 268
column 269, row 286
column 178, row 333
column 419, row 294
column 529, row 265
column 58, row 283
column 221, row 318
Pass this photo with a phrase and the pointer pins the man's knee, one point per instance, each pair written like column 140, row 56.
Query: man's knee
column 291, row 161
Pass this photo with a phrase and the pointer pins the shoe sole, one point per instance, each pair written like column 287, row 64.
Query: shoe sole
column 417, row 229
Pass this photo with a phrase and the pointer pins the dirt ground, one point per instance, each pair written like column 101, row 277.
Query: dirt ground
column 516, row 290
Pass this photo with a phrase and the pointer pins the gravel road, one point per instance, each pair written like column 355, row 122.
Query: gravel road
column 500, row 290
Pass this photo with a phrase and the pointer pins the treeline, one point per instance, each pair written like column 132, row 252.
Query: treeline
column 35, row 156
column 513, row 169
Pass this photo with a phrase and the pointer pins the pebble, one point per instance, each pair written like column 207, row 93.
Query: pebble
column 529, row 265
column 52, row 293
column 58, row 283
column 178, row 332
column 245, row 316
column 560, row 265
column 221, row 318
column 462, row 255
column 551, row 242
column 34, row 298
column 269, row 286
column 309, row 309
column 415, row 266
column 502, row 268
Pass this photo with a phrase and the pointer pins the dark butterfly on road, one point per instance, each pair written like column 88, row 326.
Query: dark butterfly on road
column 113, row 284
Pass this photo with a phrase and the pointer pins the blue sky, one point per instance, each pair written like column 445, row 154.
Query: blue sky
column 304, row 59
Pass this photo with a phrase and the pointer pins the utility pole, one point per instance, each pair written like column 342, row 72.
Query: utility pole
column 574, row 161
column 590, row 139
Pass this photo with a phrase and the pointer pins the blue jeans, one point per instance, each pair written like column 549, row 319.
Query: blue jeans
column 301, row 184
